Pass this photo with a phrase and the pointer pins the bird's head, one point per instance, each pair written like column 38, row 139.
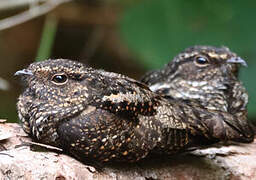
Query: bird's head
column 58, row 80
column 199, row 64
column 204, row 63
column 56, row 72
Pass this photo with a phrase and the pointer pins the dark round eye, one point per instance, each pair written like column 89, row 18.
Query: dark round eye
column 201, row 60
column 59, row 79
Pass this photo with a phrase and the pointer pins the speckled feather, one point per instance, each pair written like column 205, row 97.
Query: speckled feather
column 214, row 85
column 104, row 116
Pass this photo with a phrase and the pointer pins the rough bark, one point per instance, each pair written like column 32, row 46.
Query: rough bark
column 18, row 161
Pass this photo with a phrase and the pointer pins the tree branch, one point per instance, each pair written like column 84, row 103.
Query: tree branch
column 14, row 4
column 18, row 161
column 33, row 12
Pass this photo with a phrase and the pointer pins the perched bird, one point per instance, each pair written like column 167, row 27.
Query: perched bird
column 104, row 116
column 207, row 75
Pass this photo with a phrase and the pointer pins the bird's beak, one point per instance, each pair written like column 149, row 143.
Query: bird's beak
column 237, row 60
column 24, row 72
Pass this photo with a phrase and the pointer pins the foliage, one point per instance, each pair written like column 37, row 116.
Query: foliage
column 47, row 38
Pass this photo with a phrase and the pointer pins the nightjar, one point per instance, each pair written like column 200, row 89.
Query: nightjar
column 104, row 116
column 208, row 76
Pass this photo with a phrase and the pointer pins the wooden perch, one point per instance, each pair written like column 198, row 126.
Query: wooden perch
column 18, row 161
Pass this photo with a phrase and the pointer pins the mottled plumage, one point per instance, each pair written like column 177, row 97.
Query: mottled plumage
column 209, row 76
column 104, row 116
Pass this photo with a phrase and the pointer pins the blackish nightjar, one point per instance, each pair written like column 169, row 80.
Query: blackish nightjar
column 208, row 76
column 104, row 116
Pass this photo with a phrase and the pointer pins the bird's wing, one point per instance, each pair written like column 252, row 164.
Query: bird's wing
column 122, row 95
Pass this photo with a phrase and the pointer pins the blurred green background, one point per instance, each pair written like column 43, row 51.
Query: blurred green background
column 128, row 37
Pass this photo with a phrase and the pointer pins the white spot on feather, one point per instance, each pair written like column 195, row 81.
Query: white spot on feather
column 157, row 86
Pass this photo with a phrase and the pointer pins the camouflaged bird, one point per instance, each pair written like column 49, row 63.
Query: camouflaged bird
column 104, row 116
column 209, row 76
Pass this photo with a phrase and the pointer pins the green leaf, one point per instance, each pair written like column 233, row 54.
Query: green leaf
column 47, row 38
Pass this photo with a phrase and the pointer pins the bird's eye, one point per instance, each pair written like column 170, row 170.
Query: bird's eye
column 201, row 61
column 59, row 79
